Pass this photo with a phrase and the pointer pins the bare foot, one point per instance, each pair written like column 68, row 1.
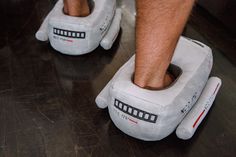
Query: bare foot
column 79, row 8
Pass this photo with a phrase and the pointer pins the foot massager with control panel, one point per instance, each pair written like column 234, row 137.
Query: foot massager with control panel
column 154, row 114
column 80, row 35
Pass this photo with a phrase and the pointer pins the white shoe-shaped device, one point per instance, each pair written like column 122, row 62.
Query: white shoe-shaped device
column 80, row 35
column 152, row 115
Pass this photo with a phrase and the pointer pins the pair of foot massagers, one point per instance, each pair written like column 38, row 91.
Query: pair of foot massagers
column 148, row 115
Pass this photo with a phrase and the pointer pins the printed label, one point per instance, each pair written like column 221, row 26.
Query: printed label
column 134, row 112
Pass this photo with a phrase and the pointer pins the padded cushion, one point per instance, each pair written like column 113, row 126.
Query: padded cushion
column 154, row 114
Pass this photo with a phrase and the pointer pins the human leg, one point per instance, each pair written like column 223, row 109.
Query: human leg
column 159, row 24
column 76, row 7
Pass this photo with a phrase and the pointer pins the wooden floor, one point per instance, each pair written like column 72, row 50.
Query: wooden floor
column 47, row 106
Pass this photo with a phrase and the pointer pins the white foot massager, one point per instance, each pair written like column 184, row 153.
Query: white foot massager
column 80, row 35
column 154, row 114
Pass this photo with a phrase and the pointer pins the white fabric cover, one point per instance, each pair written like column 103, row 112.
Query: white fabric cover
column 154, row 114
column 79, row 35
column 193, row 119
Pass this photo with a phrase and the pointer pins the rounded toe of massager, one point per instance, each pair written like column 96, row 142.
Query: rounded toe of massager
column 136, row 116
column 73, row 52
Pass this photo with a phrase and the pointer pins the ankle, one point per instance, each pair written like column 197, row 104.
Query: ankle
column 154, row 82
column 76, row 8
